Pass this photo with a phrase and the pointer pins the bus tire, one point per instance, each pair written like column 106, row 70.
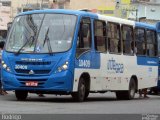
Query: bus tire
column 21, row 95
column 127, row 95
column 154, row 90
column 86, row 95
column 81, row 93
column 132, row 89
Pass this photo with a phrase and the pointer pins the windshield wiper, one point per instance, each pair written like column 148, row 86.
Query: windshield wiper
column 31, row 38
column 48, row 42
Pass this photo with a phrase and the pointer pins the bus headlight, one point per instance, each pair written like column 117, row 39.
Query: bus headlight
column 65, row 67
column 4, row 65
column 62, row 68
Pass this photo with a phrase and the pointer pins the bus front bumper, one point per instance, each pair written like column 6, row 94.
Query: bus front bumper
column 55, row 82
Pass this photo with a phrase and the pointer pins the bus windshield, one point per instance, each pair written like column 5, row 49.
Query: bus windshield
column 41, row 33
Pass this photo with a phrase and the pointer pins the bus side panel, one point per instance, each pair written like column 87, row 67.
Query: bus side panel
column 116, row 71
column 147, row 72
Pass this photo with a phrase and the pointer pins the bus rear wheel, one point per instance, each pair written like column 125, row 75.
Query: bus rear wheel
column 132, row 89
column 21, row 95
column 80, row 95
column 127, row 95
column 86, row 94
column 153, row 90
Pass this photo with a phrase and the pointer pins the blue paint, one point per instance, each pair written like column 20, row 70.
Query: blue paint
column 44, row 71
column 147, row 61
column 60, row 11
column 91, row 56
column 145, row 25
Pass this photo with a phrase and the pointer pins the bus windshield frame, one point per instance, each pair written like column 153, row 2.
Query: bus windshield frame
column 41, row 33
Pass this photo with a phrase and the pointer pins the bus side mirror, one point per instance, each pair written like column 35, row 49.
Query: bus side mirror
column 85, row 29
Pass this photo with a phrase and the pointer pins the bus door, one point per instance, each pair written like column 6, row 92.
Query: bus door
column 87, row 60
column 84, row 43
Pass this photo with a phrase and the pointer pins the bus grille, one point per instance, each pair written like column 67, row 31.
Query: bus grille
column 33, row 63
column 35, row 71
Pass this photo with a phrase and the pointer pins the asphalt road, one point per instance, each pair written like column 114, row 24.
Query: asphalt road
column 96, row 104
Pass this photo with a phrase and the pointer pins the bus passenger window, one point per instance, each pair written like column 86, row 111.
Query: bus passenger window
column 100, row 35
column 158, row 40
column 140, row 41
column 114, row 43
column 151, row 43
column 84, row 37
column 128, row 43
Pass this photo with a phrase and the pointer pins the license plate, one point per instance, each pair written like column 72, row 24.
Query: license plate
column 31, row 83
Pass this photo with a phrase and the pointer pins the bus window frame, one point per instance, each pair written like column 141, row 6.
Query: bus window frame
column 90, row 28
column 120, row 38
column 144, row 29
column 133, row 40
column 105, row 37
column 155, row 44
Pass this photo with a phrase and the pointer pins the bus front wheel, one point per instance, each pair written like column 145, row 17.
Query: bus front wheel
column 21, row 95
column 80, row 95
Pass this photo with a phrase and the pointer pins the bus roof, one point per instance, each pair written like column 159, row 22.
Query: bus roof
column 93, row 15
column 116, row 20
column 145, row 25
column 79, row 12
column 60, row 11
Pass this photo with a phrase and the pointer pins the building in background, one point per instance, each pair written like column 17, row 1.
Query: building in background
column 5, row 17
column 26, row 5
column 106, row 7
column 59, row 4
column 19, row 6
column 148, row 10
column 123, row 8
column 132, row 9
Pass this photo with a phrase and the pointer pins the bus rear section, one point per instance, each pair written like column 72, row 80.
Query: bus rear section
column 156, row 90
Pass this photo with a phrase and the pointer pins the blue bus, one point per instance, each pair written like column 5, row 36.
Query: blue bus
column 77, row 53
